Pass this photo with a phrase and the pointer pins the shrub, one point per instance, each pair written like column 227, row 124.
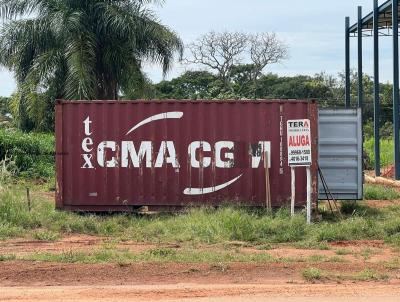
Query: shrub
column 312, row 274
column 33, row 153
column 369, row 274
column 45, row 235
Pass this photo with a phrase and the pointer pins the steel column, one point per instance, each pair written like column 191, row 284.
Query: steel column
column 347, row 68
column 376, row 91
column 395, row 22
column 360, row 69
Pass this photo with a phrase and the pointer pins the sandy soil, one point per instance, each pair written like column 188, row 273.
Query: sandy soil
column 211, row 292
column 40, row 281
column 34, row 281
column 70, row 243
column 377, row 249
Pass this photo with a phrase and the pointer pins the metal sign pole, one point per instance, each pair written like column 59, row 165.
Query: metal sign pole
column 396, row 132
column 293, row 183
column 308, row 195
column 347, row 67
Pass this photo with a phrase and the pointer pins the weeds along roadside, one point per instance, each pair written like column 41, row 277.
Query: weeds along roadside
column 30, row 160
column 197, row 225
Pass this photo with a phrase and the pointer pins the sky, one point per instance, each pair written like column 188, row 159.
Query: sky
column 313, row 30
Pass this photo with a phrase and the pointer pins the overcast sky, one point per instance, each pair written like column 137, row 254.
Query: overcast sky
column 313, row 29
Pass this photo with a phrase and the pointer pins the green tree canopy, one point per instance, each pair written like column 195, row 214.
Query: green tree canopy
column 190, row 85
column 81, row 49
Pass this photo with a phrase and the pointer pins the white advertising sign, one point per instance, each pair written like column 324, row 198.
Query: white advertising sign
column 299, row 143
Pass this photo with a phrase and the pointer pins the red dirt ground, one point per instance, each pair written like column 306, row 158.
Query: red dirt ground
column 41, row 281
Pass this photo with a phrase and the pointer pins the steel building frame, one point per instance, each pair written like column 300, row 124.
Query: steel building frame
column 382, row 21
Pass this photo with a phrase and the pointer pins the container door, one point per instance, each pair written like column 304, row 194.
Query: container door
column 340, row 153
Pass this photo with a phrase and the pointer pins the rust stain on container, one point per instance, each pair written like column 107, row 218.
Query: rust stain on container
column 119, row 155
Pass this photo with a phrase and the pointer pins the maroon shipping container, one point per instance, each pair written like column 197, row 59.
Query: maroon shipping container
column 120, row 155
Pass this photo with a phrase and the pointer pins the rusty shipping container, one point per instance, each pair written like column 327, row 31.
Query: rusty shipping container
column 120, row 155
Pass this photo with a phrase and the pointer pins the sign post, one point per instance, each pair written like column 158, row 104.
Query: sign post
column 299, row 155
column 293, row 190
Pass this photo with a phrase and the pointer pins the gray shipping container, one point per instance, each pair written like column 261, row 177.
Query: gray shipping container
column 340, row 153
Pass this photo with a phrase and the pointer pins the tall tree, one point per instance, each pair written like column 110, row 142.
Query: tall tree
column 265, row 49
column 219, row 52
column 225, row 52
column 82, row 49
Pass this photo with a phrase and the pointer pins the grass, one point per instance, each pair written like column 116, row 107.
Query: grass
column 366, row 253
column 337, row 259
column 377, row 192
column 312, row 274
column 370, row 275
column 264, row 247
column 392, row 264
column 342, row 252
column 164, row 254
column 317, row 258
column 44, row 235
column 387, row 151
column 200, row 225
column 366, row 274
column 312, row 245
column 154, row 255
column 354, row 208
column 322, row 258
column 7, row 257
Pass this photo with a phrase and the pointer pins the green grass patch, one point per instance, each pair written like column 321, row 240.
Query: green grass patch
column 370, row 275
column 392, row 264
column 224, row 225
column 366, row 253
column 322, row 258
column 387, row 151
column 342, row 252
column 165, row 254
column 153, row 255
column 378, row 192
column 312, row 245
column 336, row 259
column 44, row 235
column 317, row 258
column 7, row 257
column 265, row 247
column 312, row 274
column 8, row 231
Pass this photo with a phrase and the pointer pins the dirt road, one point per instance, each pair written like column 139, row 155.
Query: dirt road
column 36, row 281
column 220, row 282
column 209, row 292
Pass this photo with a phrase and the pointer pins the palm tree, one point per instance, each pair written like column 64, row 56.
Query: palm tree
column 82, row 49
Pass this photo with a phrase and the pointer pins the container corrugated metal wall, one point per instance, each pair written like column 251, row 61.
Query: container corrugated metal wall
column 340, row 153
column 118, row 155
